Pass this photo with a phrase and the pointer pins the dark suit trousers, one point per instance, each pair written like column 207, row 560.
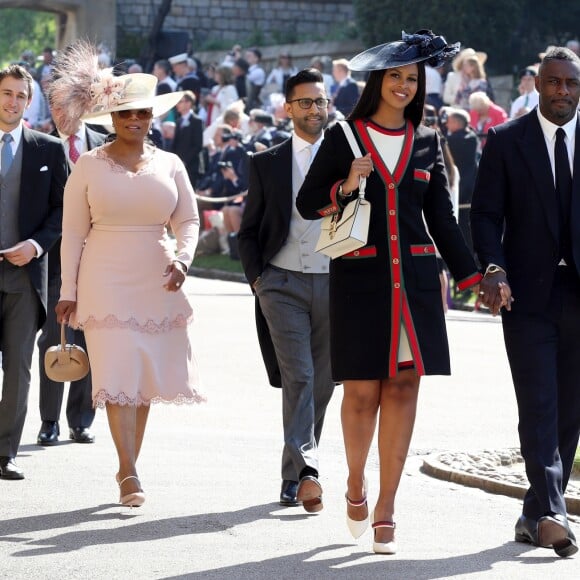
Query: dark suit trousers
column 79, row 408
column 544, row 354
column 19, row 311
column 295, row 306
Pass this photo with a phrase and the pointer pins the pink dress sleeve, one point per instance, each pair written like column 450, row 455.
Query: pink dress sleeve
column 76, row 223
column 185, row 218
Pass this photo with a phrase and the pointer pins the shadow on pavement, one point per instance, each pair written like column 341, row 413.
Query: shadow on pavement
column 357, row 565
column 142, row 531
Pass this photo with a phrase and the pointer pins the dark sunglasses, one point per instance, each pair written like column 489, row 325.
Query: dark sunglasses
column 141, row 114
column 307, row 103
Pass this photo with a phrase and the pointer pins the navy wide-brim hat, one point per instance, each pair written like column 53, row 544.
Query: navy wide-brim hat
column 418, row 47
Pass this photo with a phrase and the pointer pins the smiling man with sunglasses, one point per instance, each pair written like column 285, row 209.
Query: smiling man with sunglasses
column 290, row 281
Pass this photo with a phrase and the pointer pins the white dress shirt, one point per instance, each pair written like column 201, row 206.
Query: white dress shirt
column 298, row 252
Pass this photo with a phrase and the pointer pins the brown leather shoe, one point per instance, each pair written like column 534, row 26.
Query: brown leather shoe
column 554, row 532
column 310, row 494
column 9, row 469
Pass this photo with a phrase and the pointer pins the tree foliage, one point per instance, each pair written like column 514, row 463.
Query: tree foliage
column 22, row 30
column 512, row 32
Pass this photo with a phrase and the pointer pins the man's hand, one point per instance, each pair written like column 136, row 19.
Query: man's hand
column 20, row 254
column 495, row 292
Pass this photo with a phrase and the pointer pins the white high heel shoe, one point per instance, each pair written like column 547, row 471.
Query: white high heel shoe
column 387, row 548
column 357, row 527
column 134, row 499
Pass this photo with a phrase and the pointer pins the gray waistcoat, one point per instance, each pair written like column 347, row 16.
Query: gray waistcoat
column 9, row 202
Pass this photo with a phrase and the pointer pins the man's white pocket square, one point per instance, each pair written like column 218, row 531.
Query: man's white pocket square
column 44, row 168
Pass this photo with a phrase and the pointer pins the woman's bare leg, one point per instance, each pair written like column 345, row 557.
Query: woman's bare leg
column 360, row 405
column 398, row 406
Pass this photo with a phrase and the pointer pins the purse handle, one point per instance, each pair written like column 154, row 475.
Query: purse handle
column 356, row 151
column 62, row 337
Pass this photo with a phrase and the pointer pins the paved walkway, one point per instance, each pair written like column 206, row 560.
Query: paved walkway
column 211, row 474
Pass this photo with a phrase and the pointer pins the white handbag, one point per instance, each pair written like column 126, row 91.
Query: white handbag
column 346, row 231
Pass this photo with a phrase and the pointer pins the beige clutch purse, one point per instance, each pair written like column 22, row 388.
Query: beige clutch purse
column 66, row 362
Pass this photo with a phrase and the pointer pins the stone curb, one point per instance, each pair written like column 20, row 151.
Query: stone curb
column 439, row 470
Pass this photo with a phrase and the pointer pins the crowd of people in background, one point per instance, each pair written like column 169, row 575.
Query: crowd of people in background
column 234, row 107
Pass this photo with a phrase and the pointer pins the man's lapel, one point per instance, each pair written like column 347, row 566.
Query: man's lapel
column 281, row 175
column 532, row 145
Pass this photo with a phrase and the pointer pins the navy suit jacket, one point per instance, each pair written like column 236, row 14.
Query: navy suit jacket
column 94, row 139
column 187, row 145
column 43, row 177
column 265, row 227
column 514, row 211
column 346, row 97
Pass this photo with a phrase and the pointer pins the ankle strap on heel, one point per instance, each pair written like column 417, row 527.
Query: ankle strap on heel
column 127, row 478
column 385, row 524
column 355, row 503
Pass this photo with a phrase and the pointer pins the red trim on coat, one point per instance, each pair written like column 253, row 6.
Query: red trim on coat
column 397, row 285
column 385, row 131
column 366, row 252
column 422, row 175
column 406, row 365
column 412, row 337
column 422, row 250
column 469, row 281
column 333, row 207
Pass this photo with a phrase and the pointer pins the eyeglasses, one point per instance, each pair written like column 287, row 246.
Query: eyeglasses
column 141, row 114
column 307, row 103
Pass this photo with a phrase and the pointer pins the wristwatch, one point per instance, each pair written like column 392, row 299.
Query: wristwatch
column 341, row 194
column 494, row 269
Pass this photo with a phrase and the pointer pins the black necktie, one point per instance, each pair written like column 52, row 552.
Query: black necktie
column 564, row 193
column 563, row 174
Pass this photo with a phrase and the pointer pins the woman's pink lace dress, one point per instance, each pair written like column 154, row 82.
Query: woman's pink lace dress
column 114, row 252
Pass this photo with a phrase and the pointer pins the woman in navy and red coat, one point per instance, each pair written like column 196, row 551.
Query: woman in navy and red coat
column 386, row 315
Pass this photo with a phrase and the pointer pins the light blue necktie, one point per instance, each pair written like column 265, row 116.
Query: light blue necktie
column 7, row 156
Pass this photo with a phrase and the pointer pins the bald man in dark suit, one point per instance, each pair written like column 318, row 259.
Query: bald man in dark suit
column 525, row 220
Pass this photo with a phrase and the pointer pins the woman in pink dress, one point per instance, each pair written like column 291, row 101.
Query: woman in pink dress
column 122, row 277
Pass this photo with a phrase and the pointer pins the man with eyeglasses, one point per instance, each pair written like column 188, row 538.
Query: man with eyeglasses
column 290, row 281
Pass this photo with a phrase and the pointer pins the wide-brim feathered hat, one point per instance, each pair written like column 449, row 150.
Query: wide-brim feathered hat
column 466, row 53
column 126, row 92
column 423, row 46
column 89, row 93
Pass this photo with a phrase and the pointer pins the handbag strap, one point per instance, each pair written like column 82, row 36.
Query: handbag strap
column 62, row 337
column 356, row 151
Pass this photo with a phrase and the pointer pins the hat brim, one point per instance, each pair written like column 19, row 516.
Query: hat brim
column 160, row 104
column 388, row 55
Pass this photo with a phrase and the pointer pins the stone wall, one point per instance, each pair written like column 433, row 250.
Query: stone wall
column 211, row 23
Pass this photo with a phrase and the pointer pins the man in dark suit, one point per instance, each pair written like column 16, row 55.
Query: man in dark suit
column 185, row 70
column 188, row 138
column 526, row 232
column 463, row 144
column 346, row 93
column 77, row 138
column 290, row 280
column 33, row 173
